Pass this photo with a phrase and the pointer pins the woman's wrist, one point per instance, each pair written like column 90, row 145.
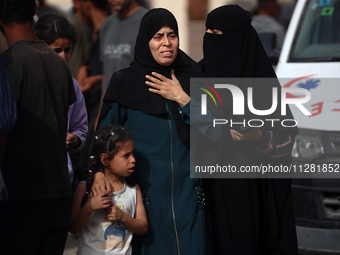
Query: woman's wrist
column 183, row 100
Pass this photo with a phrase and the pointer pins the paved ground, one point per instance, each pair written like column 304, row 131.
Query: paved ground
column 71, row 245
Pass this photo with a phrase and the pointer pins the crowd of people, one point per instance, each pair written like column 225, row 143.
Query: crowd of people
column 95, row 136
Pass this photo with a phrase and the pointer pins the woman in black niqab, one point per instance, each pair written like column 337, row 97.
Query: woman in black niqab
column 249, row 216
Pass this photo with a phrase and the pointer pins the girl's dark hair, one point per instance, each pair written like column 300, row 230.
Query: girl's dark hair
column 50, row 27
column 108, row 139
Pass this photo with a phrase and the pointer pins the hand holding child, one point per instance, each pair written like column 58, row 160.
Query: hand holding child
column 100, row 184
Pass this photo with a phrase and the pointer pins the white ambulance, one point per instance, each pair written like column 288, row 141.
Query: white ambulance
column 310, row 59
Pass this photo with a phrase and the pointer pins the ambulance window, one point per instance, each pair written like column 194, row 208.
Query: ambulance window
column 318, row 35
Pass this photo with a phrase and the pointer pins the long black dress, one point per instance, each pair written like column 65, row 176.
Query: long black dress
column 249, row 216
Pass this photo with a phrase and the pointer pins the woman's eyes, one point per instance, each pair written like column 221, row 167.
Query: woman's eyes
column 158, row 37
column 58, row 50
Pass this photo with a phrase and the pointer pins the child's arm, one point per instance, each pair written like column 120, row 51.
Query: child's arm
column 80, row 215
column 139, row 224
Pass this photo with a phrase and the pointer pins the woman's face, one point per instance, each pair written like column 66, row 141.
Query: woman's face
column 164, row 46
column 62, row 47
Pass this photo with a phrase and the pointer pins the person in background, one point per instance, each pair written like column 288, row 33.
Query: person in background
column 285, row 13
column 105, row 222
column 118, row 37
column 60, row 35
column 144, row 3
column 90, row 77
column 35, row 158
column 90, row 74
column 265, row 20
column 82, row 23
column 249, row 216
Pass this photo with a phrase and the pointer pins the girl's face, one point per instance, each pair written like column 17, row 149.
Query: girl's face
column 62, row 47
column 123, row 163
column 164, row 46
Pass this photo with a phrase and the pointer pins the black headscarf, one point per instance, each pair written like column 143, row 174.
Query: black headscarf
column 239, row 48
column 136, row 94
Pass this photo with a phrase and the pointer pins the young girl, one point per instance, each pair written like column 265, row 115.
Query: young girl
column 106, row 221
column 60, row 35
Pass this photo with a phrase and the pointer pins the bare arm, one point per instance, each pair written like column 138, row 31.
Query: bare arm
column 90, row 81
column 139, row 223
column 83, row 73
column 80, row 215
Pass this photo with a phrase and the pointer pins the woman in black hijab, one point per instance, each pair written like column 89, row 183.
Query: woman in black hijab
column 173, row 201
column 250, row 216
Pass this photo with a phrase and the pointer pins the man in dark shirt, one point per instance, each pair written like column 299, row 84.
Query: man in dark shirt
column 35, row 218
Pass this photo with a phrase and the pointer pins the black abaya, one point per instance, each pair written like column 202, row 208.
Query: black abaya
column 249, row 216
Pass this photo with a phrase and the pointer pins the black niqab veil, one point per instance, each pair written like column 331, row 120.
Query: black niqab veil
column 127, row 87
column 241, row 53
